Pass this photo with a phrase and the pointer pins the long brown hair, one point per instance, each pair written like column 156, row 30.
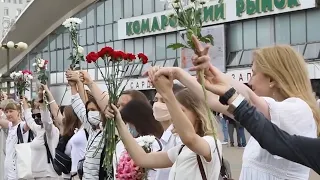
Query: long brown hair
column 70, row 121
column 197, row 106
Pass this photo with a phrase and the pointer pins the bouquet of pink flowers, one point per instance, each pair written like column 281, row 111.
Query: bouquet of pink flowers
column 127, row 169
column 21, row 81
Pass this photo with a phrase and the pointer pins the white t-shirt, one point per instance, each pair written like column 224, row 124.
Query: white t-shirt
column 294, row 116
column 10, row 172
column 186, row 165
column 75, row 149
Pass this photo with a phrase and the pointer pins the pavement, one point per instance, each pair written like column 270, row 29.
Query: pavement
column 234, row 156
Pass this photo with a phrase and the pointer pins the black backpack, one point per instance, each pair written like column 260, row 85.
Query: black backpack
column 20, row 137
column 61, row 161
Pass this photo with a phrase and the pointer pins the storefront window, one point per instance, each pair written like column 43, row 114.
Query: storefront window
column 300, row 48
column 313, row 17
column 53, row 61
column 250, row 34
column 149, row 47
column 160, row 47
column 235, row 37
column 159, row 63
column 52, row 44
column 159, row 5
column 138, row 46
column 312, row 51
column 108, row 35
column 66, row 40
column 170, row 62
column 148, row 6
column 82, row 37
column 82, row 15
column 298, row 27
column 118, row 10
column 60, row 60
column 246, row 58
column 118, row 45
column 265, row 32
column 108, row 11
column 100, row 13
column 59, row 41
column 90, row 16
column 170, row 39
column 234, row 58
column 90, row 36
column 137, row 7
column 90, row 49
column 128, row 8
column 128, row 45
column 115, row 31
column 282, row 29
column 100, row 34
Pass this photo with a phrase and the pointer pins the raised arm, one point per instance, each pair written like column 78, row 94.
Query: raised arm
column 46, row 119
column 54, row 107
column 139, row 156
column 79, row 108
column 298, row 149
column 100, row 96
column 28, row 117
column 75, row 77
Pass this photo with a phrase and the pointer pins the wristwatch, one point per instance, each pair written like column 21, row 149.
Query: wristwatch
column 235, row 103
column 225, row 98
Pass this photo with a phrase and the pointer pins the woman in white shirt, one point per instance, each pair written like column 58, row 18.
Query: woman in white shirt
column 190, row 119
column 41, row 162
column 11, row 119
column 282, row 91
column 140, row 121
column 73, row 138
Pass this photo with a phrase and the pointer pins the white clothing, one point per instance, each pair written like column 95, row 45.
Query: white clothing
column 91, row 164
column 40, row 166
column 10, row 172
column 120, row 149
column 168, row 141
column 186, row 165
column 75, row 149
column 294, row 116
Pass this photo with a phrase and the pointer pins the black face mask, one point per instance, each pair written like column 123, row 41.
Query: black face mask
column 37, row 118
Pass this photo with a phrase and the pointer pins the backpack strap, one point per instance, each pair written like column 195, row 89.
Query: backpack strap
column 49, row 155
column 87, row 134
column 203, row 173
column 19, row 135
column 30, row 136
column 160, row 145
column 102, row 172
column 181, row 149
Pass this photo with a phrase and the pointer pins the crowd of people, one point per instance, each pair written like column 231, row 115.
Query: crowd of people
column 279, row 110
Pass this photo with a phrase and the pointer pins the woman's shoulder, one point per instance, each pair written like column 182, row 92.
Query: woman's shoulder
column 213, row 142
column 291, row 103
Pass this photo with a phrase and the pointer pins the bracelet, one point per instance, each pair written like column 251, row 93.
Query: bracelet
column 225, row 98
column 52, row 101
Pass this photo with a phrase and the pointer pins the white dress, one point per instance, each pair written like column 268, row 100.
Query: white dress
column 294, row 116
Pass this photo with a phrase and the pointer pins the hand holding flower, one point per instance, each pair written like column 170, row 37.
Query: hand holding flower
column 163, row 84
column 113, row 112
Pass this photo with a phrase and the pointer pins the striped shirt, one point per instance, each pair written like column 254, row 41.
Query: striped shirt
column 91, row 165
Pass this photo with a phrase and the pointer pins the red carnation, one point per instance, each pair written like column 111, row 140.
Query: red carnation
column 26, row 72
column 143, row 58
column 105, row 51
column 118, row 55
column 92, row 57
column 130, row 57
column 46, row 62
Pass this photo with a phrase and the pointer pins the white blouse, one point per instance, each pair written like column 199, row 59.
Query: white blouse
column 40, row 166
column 186, row 166
column 294, row 116
column 75, row 149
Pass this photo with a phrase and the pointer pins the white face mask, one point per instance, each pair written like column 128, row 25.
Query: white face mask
column 94, row 118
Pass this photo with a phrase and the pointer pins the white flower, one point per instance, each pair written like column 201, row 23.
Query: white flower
column 29, row 77
column 12, row 75
column 71, row 22
column 38, row 69
column 10, row 44
column 80, row 50
column 34, row 64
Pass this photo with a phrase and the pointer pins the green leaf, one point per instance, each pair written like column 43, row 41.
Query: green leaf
column 176, row 46
column 207, row 39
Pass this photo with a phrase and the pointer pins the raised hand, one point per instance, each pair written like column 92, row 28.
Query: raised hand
column 162, row 80
column 85, row 77
column 113, row 112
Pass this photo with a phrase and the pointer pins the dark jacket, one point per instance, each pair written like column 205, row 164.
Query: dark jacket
column 299, row 149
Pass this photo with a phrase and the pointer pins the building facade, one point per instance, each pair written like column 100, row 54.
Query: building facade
column 9, row 12
column 244, row 24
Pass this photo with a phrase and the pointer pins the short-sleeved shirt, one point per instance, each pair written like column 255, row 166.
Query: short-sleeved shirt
column 186, row 166
column 10, row 159
column 294, row 116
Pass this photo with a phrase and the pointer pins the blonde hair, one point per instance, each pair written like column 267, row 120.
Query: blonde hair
column 288, row 69
column 197, row 106
column 10, row 104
